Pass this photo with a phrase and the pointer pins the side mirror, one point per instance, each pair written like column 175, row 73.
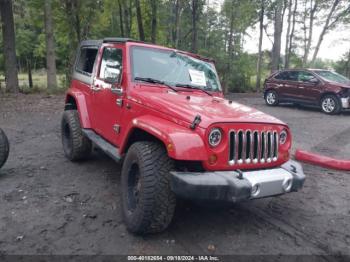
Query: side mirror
column 112, row 72
column 313, row 80
column 116, row 86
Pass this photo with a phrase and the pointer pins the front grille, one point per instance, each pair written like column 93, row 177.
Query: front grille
column 252, row 147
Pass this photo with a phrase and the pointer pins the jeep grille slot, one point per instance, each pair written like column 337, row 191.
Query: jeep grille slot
column 252, row 147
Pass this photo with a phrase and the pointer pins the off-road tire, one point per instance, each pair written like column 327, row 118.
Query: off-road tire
column 268, row 101
column 154, row 209
column 76, row 146
column 4, row 148
column 337, row 105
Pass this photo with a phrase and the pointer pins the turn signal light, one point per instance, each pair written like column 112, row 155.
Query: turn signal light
column 170, row 147
column 212, row 159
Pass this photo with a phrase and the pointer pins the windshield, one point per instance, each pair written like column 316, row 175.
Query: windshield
column 174, row 68
column 333, row 76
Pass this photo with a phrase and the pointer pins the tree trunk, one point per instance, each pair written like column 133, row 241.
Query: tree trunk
column 194, row 11
column 77, row 26
column 139, row 20
column 278, row 24
column 9, row 45
column 261, row 32
column 154, row 21
column 324, row 30
column 230, row 37
column 286, row 53
column 50, row 48
column 311, row 25
column 127, row 17
column 291, row 36
column 121, row 18
column 176, row 33
column 29, row 69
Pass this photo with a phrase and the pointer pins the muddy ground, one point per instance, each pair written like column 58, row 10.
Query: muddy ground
column 49, row 205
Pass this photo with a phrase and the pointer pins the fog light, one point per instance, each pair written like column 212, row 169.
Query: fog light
column 255, row 190
column 212, row 159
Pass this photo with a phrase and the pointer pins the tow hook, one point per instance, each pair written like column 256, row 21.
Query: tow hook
column 196, row 122
column 240, row 174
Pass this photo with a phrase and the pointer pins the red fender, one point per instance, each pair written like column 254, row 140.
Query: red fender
column 185, row 144
column 323, row 161
column 82, row 104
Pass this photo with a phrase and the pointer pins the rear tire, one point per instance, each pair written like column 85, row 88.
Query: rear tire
column 4, row 148
column 271, row 98
column 148, row 204
column 330, row 104
column 76, row 146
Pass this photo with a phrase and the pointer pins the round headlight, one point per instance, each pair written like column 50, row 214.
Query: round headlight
column 283, row 137
column 215, row 137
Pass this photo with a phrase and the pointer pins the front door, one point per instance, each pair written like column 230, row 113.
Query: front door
column 107, row 106
column 309, row 87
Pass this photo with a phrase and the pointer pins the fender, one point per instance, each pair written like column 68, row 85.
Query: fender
column 180, row 142
column 80, row 100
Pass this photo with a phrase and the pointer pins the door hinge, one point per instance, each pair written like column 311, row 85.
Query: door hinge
column 119, row 102
column 116, row 128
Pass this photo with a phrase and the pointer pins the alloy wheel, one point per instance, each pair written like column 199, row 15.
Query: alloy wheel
column 271, row 98
column 328, row 105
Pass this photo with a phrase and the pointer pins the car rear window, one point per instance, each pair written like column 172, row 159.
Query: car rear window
column 86, row 61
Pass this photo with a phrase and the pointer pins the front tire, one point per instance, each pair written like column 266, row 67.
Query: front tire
column 76, row 146
column 330, row 104
column 4, row 148
column 271, row 98
column 148, row 204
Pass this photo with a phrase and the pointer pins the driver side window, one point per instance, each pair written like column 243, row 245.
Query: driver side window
column 111, row 64
column 305, row 76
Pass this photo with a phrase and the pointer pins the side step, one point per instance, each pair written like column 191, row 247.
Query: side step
column 103, row 144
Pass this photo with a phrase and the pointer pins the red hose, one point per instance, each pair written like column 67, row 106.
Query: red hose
column 323, row 161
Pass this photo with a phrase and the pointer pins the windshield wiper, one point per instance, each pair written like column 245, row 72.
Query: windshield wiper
column 193, row 87
column 154, row 81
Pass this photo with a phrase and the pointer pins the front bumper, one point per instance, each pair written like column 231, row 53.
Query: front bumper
column 234, row 186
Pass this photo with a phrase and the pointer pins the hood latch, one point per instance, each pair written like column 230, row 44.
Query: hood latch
column 196, row 122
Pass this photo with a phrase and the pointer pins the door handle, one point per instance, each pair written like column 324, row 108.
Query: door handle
column 301, row 87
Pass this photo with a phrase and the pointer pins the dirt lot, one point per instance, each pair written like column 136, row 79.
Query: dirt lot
column 49, row 205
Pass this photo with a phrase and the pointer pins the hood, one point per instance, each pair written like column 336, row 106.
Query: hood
column 342, row 85
column 186, row 105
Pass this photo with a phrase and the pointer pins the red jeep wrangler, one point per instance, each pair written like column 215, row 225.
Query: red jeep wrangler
column 163, row 113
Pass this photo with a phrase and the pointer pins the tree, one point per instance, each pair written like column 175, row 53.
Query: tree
column 154, row 21
column 286, row 53
column 177, row 7
column 291, row 35
column 9, row 44
column 139, row 20
column 50, row 47
column 278, row 26
column 196, row 8
column 334, row 16
column 308, row 40
column 261, row 32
